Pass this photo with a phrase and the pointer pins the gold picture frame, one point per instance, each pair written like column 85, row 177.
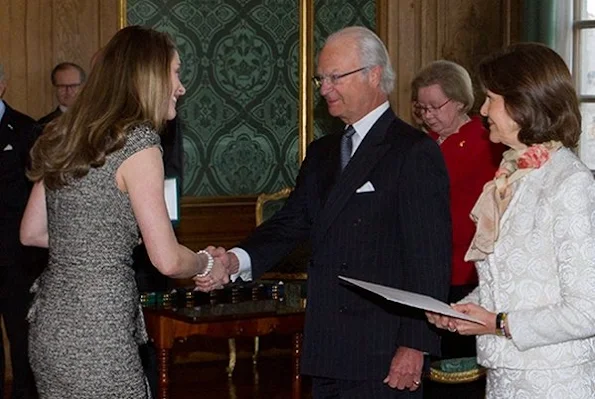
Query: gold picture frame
column 122, row 10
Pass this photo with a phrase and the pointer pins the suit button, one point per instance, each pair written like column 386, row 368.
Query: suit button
column 342, row 309
column 357, row 222
column 343, row 266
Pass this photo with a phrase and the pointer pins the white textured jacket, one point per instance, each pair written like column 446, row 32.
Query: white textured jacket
column 542, row 271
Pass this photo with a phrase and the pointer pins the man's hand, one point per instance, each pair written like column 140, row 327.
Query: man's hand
column 405, row 369
column 441, row 321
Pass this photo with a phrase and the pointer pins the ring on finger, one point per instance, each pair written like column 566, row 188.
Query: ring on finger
column 416, row 382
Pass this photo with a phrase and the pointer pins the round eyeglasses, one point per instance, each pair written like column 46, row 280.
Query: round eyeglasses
column 421, row 110
column 72, row 86
column 333, row 78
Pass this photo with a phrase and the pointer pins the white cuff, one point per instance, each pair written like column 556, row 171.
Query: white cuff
column 245, row 269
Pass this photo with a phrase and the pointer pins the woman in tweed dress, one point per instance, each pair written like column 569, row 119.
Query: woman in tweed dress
column 99, row 179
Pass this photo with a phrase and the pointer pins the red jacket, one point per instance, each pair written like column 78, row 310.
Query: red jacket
column 471, row 160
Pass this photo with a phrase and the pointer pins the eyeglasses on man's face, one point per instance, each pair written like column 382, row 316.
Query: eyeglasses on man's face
column 333, row 78
column 73, row 86
column 421, row 110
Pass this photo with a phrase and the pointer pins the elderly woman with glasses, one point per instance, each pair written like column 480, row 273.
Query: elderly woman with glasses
column 442, row 95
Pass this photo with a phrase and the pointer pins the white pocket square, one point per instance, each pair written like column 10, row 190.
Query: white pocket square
column 8, row 148
column 366, row 188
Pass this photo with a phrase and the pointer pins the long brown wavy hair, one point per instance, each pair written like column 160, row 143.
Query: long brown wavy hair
column 129, row 85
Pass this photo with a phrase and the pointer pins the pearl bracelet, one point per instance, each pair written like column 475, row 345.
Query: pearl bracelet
column 210, row 263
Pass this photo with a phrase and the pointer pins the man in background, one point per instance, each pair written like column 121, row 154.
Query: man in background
column 18, row 132
column 67, row 78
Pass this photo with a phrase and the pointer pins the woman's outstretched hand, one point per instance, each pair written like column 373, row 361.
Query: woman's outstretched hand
column 219, row 274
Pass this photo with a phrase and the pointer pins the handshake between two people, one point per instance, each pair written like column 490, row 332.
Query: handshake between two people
column 225, row 264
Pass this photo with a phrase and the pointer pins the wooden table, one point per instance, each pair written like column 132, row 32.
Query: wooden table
column 164, row 326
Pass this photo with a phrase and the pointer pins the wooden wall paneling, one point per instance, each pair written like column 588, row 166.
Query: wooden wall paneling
column 37, row 34
column 403, row 44
column 4, row 33
column 5, row 27
column 40, row 49
column 219, row 221
column 428, row 32
column 408, row 48
column 70, row 24
column 44, row 41
column 512, row 18
column 388, row 33
column 109, row 21
column 420, row 31
column 15, row 65
column 471, row 31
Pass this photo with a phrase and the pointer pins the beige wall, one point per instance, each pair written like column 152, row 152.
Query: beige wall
column 420, row 31
column 38, row 34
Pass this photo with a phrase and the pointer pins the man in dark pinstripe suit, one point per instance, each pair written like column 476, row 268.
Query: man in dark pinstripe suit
column 384, row 218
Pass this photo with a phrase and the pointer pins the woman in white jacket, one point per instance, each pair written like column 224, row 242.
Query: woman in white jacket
column 534, row 246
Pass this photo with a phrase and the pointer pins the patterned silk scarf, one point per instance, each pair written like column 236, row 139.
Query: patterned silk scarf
column 497, row 194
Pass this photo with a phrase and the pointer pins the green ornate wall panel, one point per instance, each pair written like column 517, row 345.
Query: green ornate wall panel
column 240, row 68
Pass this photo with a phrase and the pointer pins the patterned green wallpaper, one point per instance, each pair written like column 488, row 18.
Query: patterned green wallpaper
column 240, row 68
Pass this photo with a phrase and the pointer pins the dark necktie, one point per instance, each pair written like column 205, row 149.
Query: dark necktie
column 346, row 146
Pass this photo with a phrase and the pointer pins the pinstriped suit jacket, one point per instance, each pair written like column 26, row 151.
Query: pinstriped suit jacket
column 399, row 235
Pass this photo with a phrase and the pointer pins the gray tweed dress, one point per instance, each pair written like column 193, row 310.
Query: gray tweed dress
column 85, row 320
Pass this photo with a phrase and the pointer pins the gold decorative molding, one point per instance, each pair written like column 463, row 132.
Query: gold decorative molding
column 264, row 197
column 122, row 20
column 306, row 105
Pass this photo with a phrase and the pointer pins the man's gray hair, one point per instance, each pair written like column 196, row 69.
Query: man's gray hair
column 372, row 52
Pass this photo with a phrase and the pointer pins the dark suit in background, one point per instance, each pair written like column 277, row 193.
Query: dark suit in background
column 44, row 120
column 18, row 265
column 172, row 141
column 396, row 233
column 147, row 276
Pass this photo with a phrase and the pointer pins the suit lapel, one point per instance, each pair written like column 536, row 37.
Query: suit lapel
column 368, row 154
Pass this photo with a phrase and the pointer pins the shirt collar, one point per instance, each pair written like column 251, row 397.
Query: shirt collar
column 363, row 126
column 2, row 109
